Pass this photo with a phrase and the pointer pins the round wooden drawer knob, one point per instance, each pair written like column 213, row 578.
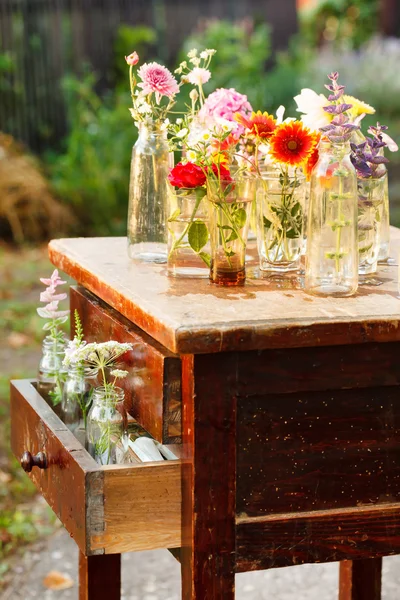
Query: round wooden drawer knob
column 28, row 461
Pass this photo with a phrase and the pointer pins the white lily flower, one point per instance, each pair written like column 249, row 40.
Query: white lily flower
column 312, row 105
column 279, row 116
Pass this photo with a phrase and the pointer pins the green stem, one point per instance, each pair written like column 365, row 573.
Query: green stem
column 339, row 229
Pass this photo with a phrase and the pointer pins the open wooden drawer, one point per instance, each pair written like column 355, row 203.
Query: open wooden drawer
column 106, row 509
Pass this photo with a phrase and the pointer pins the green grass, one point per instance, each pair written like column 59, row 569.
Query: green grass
column 22, row 519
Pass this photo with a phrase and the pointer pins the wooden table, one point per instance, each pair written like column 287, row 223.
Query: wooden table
column 285, row 408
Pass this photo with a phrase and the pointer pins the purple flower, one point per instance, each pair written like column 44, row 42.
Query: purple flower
column 368, row 157
column 52, row 299
column 340, row 129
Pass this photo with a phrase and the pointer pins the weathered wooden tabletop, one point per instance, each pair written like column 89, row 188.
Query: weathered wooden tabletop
column 195, row 316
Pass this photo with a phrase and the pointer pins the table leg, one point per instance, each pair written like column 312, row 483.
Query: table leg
column 100, row 577
column 360, row 579
column 209, row 476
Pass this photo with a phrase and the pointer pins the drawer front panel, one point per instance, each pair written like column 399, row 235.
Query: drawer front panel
column 106, row 509
column 153, row 387
column 318, row 450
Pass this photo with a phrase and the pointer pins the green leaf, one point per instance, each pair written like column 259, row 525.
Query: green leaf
column 47, row 326
column 206, row 257
column 267, row 224
column 197, row 235
column 240, row 218
column 174, row 215
column 296, row 208
column 233, row 236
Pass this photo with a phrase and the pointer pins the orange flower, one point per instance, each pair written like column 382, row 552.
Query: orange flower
column 260, row 125
column 312, row 159
column 292, row 143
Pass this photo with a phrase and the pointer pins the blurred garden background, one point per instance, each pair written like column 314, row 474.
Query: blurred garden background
column 66, row 134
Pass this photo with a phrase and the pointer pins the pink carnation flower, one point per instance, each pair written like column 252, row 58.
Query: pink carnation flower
column 224, row 103
column 132, row 59
column 156, row 78
column 198, row 76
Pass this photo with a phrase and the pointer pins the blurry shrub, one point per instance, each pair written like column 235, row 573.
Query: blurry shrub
column 370, row 73
column 341, row 22
column 92, row 175
column 242, row 60
column 242, row 52
column 28, row 209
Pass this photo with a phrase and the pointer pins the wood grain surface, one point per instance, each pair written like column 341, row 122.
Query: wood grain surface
column 142, row 508
column 106, row 509
column 319, row 536
column 209, row 479
column 35, row 428
column 189, row 316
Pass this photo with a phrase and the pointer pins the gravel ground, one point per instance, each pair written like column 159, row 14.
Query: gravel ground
column 156, row 576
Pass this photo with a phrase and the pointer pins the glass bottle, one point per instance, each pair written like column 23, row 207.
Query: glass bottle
column 280, row 202
column 371, row 198
column 147, row 214
column 230, row 206
column 76, row 396
column 332, row 242
column 188, row 233
column 385, row 223
column 52, row 373
column 105, row 430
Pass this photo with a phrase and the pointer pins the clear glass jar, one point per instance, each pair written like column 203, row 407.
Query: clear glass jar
column 371, row 197
column 280, row 203
column 332, row 241
column 105, row 430
column 52, row 373
column 230, row 206
column 385, row 223
column 76, row 396
column 148, row 201
column 189, row 250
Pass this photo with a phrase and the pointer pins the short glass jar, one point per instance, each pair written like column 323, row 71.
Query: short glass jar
column 188, row 233
column 52, row 373
column 77, row 396
column 230, row 205
column 280, row 204
column 105, row 431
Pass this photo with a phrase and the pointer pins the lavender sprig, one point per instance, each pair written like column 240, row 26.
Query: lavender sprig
column 340, row 129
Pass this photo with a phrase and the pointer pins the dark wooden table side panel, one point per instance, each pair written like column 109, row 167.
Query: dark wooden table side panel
column 153, row 390
column 318, row 450
column 325, row 536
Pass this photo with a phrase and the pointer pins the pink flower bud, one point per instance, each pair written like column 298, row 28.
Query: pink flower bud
column 132, row 59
